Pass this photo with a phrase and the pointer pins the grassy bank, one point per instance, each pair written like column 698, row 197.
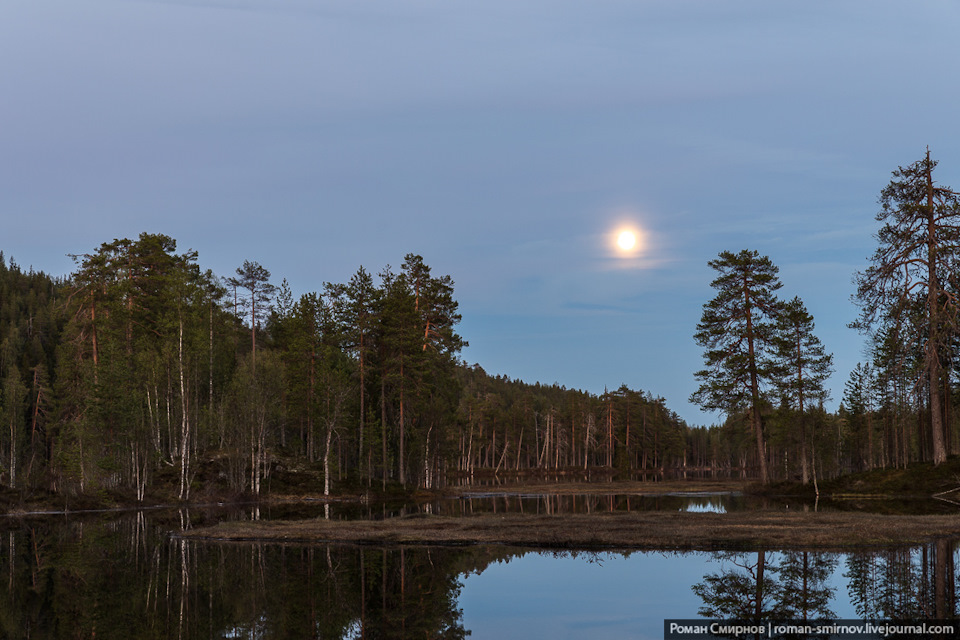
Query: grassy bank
column 620, row 530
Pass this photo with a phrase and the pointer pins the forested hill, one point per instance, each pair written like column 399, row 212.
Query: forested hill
column 141, row 369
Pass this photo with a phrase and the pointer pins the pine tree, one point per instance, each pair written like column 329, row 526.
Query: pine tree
column 399, row 356
column 738, row 334
column 255, row 279
column 916, row 261
column 803, row 368
column 355, row 304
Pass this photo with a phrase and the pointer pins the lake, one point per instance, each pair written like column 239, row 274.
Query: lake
column 122, row 575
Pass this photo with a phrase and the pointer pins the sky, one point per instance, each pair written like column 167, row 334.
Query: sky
column 505, row 141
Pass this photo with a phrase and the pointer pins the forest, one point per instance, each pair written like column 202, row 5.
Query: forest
column 140, row 369
column 142, row 372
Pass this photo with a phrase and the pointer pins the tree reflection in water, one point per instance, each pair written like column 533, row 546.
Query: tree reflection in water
column 124, row 577
column 895, row 583
column 116, row 580
column 756, row 587
column 906, row 582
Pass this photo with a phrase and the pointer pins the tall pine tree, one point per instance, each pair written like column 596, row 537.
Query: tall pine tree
column 916, row 261
column 738, row 332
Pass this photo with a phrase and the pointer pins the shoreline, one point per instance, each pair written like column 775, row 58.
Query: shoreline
column 753, row 529
column 687, row 531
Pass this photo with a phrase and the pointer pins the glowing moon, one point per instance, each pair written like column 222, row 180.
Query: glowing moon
column 627, row 240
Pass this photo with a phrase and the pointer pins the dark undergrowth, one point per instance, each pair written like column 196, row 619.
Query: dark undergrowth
column 918, row 480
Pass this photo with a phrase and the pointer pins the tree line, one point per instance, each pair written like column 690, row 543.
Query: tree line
column 765, row 368
column 142, row 369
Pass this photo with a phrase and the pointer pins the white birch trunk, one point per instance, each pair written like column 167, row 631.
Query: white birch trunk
column 184, row 426
column 326, row 460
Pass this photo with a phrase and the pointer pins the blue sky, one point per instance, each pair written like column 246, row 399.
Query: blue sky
column 503, row 140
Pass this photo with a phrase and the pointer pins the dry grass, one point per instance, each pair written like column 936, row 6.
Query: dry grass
column 609, row 530
column 622, row 530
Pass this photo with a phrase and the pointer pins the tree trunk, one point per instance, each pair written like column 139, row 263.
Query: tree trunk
column 363, row 412
column 933, row 358
column 311, row 445
column 184, row 426
column 93, row 338
column 610, row 433
column 326, row 461
column 13, row 450
column 758, row 606
column 519, row 447
column 755, row 393
column 804, row 465
column 253, row 330
column 383, row 427
column 403, row 479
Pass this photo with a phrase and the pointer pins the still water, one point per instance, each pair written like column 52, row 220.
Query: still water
column 124, row 575
column 615, row 595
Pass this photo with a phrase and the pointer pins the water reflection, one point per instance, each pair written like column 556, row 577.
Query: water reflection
column 629, row 596
column 531, row 502
column 500, row 502
column 752, row 586
column 896, row 583
column 717, row 502
column 905, row 582
column 554, row 504
column 123, row 576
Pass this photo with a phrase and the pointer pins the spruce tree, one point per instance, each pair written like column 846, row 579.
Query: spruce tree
column 858, row 393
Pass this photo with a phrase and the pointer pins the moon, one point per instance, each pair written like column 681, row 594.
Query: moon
column 627, row 240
